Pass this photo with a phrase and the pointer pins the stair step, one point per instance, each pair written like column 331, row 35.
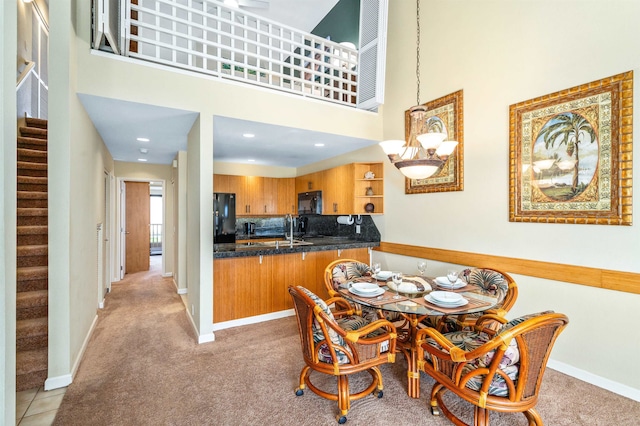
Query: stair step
column 27, row 165
column 32, row 195
column 32, row 250
column 31, row 199
column 32, row 230
column 32, row 143
column 31, row 304
column 32, row 235
column 32, row 256
column 32, row 285
column 32, row 212
column 37, row 122
column 33, row 132
column 32, row 216
column 30, row 361
column 32, row 183
column 32, row 273
column 26, row 299
column 32, row 334
column 32, row 155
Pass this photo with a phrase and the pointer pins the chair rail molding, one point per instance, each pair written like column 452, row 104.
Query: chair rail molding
column 594, row 277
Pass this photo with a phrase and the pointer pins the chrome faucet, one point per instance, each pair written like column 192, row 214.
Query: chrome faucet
column 289, row 217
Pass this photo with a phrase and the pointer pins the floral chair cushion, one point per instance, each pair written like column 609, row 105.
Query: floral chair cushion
column 490, row 282
column 470, row 340
column 510, row 363
column 344, row 272
column 347, row 323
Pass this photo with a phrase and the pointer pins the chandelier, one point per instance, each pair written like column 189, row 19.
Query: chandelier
column 426, row 150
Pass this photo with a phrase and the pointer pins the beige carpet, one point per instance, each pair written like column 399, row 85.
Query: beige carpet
column 143, row 367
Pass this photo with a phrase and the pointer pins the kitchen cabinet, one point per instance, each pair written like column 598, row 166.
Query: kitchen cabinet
column 257, row 285
column 309, row 182
column 287, row 199
column 337, row 193
column 257, row 195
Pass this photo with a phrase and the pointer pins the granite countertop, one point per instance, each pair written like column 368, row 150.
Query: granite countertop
column 316, row 243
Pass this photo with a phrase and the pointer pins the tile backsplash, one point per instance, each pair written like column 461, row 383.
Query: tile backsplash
column 267, row 227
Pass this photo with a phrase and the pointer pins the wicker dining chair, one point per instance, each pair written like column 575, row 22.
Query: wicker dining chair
column 340, row 271
column 340, row 346
column 489, row 281
column 493, row 369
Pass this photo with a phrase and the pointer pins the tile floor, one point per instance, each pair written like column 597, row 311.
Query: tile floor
column 37, row 407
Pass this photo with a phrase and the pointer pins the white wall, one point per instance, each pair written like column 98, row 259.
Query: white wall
column 180, row 222
column 8, row 29
column 77, row 161
column 501, row 52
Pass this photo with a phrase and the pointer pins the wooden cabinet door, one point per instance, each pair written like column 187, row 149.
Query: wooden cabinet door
column 269, row 196
column 221, row 183
column 254, row 186
column 287, row 197
column 337, row 196
column 237, row 186
column 309, row 182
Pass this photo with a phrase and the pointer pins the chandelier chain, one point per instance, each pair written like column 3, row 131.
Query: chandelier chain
column 418, row 52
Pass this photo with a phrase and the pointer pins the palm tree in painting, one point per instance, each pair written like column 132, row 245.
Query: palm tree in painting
column 568, row 129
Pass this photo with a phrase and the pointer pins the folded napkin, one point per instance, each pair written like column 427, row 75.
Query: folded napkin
column 411, row 284
column 473, row 303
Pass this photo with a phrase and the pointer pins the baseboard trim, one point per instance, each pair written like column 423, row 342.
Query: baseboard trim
column 601, row 382
column 101, row 304
column 67, row 379
column 253, row 320
column 58, row 382
column 205, row 338
column 167, row 274
column 182, row 291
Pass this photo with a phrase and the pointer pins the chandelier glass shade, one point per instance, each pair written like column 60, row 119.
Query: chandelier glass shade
column 425, row 151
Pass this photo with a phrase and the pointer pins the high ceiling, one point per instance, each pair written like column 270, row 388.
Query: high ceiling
column 119, row 123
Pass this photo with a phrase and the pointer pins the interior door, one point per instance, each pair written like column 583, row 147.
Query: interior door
column 137, row 227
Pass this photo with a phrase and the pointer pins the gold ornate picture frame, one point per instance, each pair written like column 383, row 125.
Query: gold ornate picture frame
column 570, row 155
column 450, row 177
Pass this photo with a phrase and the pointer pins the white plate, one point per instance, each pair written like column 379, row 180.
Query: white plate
column 444, row 282
column 383, row 275
column 463, row 302
column 365, row 287
column 446, row 296
column 369, row 294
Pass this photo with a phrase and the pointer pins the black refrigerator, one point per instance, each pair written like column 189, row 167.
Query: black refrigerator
column 224, row 218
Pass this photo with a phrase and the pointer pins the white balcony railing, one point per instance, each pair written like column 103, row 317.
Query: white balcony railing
column 208, row 37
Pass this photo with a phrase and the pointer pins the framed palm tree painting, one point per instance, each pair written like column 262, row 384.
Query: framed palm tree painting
column 571, row 155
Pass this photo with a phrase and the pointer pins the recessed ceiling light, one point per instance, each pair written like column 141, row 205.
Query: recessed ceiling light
column 318, row 144
column 142, row 159
column 248, row 135
column 144, row 150
column 143, row 139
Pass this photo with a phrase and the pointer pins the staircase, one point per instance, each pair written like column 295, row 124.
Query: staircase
column 32, row 257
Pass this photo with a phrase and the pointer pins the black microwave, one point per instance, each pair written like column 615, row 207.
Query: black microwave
column 310, row 202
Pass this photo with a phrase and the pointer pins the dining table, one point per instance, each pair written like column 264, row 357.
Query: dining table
column 412, row 308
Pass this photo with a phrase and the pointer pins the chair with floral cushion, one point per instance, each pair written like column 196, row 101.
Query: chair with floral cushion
column 340, row 346
column 493, row 368
column 488, row 281
column 340, row 271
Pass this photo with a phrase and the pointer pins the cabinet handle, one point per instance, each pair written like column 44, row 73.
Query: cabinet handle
column 335, row 207
column 265, row 208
